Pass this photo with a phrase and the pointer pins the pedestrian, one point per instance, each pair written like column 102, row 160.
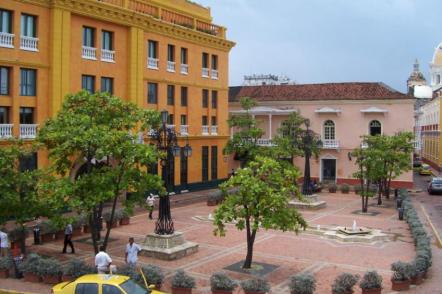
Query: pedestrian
column 4, row 244
column 68, row 238
column 132, row 250
column 233, row 172
column 102, row 261
column 150, row 204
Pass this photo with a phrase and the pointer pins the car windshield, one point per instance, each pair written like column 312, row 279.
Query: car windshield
column 426, row 167
column 133, row 288
column 437, row 182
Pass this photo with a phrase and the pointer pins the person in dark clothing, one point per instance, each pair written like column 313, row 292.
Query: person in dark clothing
column 68, row 238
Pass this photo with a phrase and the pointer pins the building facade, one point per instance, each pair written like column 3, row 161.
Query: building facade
column 339, row 112
column 158, row 54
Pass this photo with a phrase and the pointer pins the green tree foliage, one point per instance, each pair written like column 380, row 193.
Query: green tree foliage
column 244, row 142
column 260, row 197
column 99, row 132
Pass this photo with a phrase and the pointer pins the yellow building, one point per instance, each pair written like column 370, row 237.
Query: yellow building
column 159, row 54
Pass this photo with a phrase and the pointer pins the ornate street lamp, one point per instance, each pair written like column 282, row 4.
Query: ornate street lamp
column 309, row 141
column 166, row 140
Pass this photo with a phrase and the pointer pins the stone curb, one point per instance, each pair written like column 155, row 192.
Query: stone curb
column 3, row 291
column 433, row 228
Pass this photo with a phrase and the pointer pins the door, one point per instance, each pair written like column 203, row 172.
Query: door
column 328, row 170
column 183, row 169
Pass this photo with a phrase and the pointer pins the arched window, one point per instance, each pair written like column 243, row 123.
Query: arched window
column 438, row 79
column 375, row 128
column 329, row 130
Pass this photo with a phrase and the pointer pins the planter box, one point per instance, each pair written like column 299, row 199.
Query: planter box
column 86, row 229
column 4, row 274
column 66, row 278
column 51, row 279
column 114, row 224
column 181, row 290
column 253, row 292
column 372, row 291
column 59, row 235
column 222, row 292
column 400, row 285
column 211, row 203
column 76, row 232
column 47, row 237
column 417, row 280
column 125, row 221
column 31, row 277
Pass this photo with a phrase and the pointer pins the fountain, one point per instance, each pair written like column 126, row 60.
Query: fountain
column 354, row 230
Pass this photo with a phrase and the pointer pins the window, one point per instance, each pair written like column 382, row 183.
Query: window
column 170, row 94
column 110, row 289
column 86, row 288
column 375, row 128
column 204, row 120
column 214, row 99
column 88, row 37
column 88, row 83
column 152, row 49
column 107, row 42
column 4, row 80
column 184, row 92
column 214, row 163
column 5, row 21
column 4, row 115
column 28, row 83
column 213, row 121
column 183, row 55
column 28, row 162
column 205, row 163
column 170, row 53
column 152, row 93
column 107, row 85
column 329, row 130
column 28, row 26
column 205, row 98
column 205, row 61
column 183, row 120
column 26, row 115
column 170, row 120
column 437, row 79
column 215, row 62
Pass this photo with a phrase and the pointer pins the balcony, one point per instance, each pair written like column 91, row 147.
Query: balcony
column 264, row 142
column 89, row 53
column 184, row 69
column 28, row 131
column 184, row 130
column 6, row 40
column 107, row 55
column 214, row 74
column 28, row 43
column 171, row 66
column 330, row 144
column 205, row 72
column 5, row 131
column 205, row 130
column 152, row 63
column 171, row 127
column 214, row 130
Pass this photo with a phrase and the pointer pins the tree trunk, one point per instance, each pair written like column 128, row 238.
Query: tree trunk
column 93, row 226
column 250, row 241
column 22, row 239
column 108, row 228
column 380, row 193
column 388, row 186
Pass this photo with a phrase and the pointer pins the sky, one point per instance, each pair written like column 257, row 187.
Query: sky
column 320, row 41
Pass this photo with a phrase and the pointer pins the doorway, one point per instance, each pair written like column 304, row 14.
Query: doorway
column 328, row 170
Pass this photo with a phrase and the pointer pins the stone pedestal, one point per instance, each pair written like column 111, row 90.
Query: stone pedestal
column 311, row 202
column 167, row 247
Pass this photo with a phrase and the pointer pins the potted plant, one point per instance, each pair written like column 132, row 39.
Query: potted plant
column 76, row 268
column 422, row 265
column 416, row 277
column 49, row 270
column 220, row 283
column 214, row 198
column 332, row 188
column 255, row 286
column 182, row 283
column 401, row 276
column 371, row 283
column 30, row 267
column 303, row 283
column 6, row 263
column 125, row 217
column 344, row 283
column 345, row 189
column 47, row 231
column 107, row 219
column 16, row 235
column 131, row 272
column 154, row 275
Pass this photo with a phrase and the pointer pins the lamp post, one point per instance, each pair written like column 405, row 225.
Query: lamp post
column 166, row 140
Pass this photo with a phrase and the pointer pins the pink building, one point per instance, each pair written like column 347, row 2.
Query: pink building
column 339, row 112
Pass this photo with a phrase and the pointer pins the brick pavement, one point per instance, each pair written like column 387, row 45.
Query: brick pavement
column 291, row 253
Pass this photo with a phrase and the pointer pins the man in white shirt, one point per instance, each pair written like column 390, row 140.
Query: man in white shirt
column 150, row 204
column 68, row 238
column 102, row 261
column 4, row 244
column 132, row 250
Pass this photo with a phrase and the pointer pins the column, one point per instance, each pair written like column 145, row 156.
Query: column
column 270, row 126
column 136, row 66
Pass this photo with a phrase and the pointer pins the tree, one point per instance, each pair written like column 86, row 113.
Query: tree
column 244, row 142
column 262, row 191
column 98, row 132
column 367, row 173
column 19, row 199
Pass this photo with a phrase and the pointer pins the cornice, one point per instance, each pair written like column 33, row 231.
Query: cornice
column 189, row 84
column 123, row 16
column 23, row 63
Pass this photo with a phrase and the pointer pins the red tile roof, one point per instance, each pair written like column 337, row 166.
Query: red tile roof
column 307, row 92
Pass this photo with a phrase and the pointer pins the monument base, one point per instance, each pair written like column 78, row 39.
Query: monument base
column 167, row 247
column 311, row 202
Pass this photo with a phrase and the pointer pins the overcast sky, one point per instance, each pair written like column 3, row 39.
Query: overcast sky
column 317, row 41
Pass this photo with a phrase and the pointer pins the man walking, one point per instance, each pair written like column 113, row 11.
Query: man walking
column 102, row 261
column 4, row 244
column 132, row 250
column 150, row 204
column 68, row 238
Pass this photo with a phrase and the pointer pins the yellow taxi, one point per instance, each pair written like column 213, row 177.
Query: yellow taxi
column 102, row 284
column 425, row 170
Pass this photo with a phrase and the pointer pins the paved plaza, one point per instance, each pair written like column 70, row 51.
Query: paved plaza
column 290, row 253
